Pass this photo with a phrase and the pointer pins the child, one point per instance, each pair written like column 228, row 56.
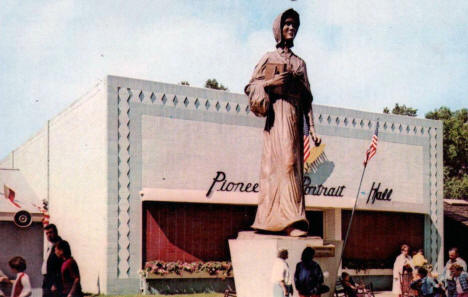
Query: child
column 418, row 259
column 461, row 280
column 349, row 286
column 425, row 285
column 21, row 285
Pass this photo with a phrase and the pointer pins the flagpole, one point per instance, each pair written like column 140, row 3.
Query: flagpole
column 352, row 215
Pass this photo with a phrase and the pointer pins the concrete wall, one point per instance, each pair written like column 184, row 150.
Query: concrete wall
column 104, row 149
column 78, row 183
column 7, row 161
column 66, row 163
column 170, row 141
column 31, row 158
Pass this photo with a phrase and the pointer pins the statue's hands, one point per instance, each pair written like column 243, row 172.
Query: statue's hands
column 315, row 138
column 279, row 80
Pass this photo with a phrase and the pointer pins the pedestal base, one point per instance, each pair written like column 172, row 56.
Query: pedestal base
column 253, row 254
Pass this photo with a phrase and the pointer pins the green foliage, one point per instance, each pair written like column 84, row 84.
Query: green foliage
column 455, row 150
column 456, row 187
column 402, row 110
column 214, row 84
column 184, row 83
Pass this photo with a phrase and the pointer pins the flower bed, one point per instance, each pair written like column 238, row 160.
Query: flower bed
column 212, row 269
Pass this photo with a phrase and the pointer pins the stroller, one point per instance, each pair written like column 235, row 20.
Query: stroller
column 362, row 289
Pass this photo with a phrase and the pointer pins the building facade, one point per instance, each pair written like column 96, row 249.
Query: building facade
column 139, row 170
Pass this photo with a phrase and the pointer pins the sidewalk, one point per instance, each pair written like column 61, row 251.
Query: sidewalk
column 384, row 294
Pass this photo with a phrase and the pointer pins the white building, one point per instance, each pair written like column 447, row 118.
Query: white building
column 20, row 228
column 139, row 170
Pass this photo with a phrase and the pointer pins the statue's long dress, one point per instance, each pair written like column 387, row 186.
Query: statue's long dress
column 281, row 199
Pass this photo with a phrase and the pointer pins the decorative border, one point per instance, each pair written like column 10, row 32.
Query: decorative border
column 187, row 102
column 123, row 182
column 434, row 205
column 369, row 124
column 233, row 108
column 324, row 116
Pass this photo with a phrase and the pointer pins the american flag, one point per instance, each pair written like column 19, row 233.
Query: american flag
column 306, row 141
column 372, row 150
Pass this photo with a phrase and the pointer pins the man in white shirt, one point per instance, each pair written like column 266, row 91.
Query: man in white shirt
column 51, row 285
column 280, row 275
column 446, row 276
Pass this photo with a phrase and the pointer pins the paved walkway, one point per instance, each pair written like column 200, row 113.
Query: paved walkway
column 384, row 294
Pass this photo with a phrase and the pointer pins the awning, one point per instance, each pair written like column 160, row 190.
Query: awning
column 234, row 198
column 251, row 198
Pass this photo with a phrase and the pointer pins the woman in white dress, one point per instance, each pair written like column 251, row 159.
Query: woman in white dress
column 404, row 259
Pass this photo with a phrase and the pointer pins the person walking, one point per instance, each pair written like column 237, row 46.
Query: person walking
column 281, row 276
column 51, row 285
column 308, row 276
column 69, row 272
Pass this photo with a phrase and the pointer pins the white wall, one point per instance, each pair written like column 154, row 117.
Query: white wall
column 201, row 149
column 78, row 179
column 31, row 158
column 7, row 161
column 78, row 183
column 94, row 198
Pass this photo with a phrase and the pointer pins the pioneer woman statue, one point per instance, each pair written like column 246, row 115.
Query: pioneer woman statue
column 279, row 90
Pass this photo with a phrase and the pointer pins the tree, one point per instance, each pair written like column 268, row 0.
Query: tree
column 184, row 83
column 213, row 84
column 402, row 110
column 455, row 150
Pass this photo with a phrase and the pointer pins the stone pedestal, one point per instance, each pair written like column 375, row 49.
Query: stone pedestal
column 253, row 254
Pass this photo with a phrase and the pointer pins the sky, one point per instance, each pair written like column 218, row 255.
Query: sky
column 360, row 54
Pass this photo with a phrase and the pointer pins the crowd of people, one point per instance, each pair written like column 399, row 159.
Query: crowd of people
column 62, row 276
column 414, row 273
column 308, row 276
column 409, row 273
column 59, row 269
